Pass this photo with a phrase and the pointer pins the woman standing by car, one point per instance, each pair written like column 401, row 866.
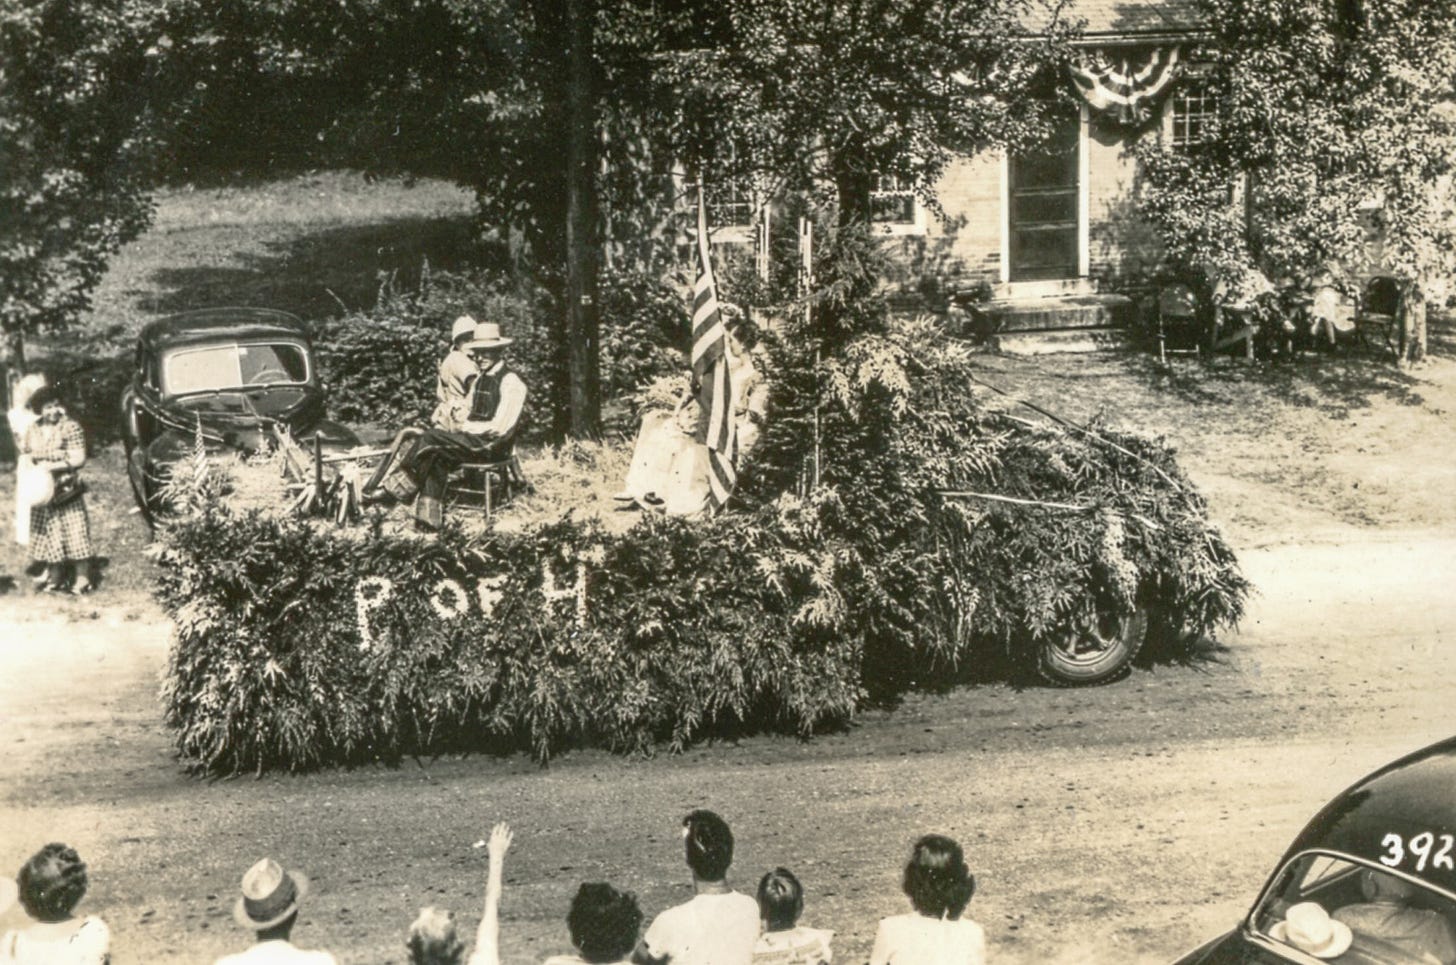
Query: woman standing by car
column 60, row 530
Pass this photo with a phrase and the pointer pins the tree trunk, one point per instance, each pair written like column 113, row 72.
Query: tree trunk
column 1411, row 326
column 12, row 362
column 582, row 331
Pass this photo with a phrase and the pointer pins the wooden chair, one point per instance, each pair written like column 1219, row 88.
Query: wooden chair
column 1177, row 315
column 1378, row 310
column 480, row 480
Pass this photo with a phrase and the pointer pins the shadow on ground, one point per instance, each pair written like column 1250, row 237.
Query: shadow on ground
column 321, row 273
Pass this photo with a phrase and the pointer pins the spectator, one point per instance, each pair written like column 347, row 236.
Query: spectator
column 784, row 941
column 939, row 886
column 1388, row 915
column 49, row 886
column 60, row 530
column 603, row 921
column 433, row 940
column 269, row 907
column 717, row 926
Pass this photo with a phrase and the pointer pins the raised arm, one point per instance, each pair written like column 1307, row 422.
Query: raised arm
column 487, row 938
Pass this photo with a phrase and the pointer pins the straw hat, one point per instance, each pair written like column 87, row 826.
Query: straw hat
column 1309, row 928
column 463, row 325
column 270, row 895
column 488, row 335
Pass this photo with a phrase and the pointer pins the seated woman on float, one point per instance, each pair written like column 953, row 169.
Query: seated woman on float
column 669, row 468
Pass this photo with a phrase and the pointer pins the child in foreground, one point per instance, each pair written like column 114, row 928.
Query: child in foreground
column 784, row 941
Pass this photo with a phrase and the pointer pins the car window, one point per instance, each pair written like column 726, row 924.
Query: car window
column 1327, row 908
column 234, row 366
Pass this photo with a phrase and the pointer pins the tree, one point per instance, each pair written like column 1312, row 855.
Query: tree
column 76, row 79
column 1335, row 115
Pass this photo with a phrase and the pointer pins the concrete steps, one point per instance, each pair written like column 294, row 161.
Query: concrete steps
column 1054, row 342
column 1060, row 323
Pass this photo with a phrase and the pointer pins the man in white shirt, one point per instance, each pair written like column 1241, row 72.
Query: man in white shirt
column 718, row 926
column 497, row 401
column 269, row 906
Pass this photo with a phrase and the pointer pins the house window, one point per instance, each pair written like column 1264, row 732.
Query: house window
column 892, row 202
column 1195, row 112
column 730, row 204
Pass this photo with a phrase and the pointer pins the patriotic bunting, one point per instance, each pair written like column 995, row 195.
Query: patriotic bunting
column 1126, row 90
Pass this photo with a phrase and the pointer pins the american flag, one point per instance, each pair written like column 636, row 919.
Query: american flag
column 710, row 367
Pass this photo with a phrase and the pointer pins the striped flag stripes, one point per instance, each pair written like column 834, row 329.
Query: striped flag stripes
column 710, row 360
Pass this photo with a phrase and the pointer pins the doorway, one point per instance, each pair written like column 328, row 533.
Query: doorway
column 1044, row 195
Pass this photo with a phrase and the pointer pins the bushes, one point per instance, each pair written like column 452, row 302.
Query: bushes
column 381, row 363
column 304, row 647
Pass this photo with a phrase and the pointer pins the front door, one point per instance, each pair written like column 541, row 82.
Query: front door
column 1044, row 192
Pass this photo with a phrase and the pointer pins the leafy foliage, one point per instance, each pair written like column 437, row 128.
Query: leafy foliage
column 270, row 668
column 1337, row 116
column 957, row 578
column 381, row 363
column 75, row 149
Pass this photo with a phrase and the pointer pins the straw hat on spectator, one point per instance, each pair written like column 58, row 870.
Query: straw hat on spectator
column 270, row 895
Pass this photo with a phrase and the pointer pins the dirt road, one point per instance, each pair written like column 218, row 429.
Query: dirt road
column 1109, row 825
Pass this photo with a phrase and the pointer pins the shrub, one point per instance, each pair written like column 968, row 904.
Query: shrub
column 381, row 363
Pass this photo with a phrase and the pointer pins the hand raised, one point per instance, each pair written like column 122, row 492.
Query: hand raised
column 500, row 841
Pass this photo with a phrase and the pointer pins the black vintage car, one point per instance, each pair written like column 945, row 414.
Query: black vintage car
column 1370, row 881
column 241, row 374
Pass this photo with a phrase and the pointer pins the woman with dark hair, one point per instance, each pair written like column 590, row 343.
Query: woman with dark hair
column 60, row 530
column 51, row 884
column 939, row 886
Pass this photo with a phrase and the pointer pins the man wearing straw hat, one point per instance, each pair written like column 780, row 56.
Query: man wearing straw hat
column 269, row 907
column 497, row 401
column 455, row 378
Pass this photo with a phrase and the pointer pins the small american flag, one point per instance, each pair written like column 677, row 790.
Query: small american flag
column 710, row 360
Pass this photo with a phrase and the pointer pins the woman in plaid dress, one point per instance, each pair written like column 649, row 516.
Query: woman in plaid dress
column 60, row 532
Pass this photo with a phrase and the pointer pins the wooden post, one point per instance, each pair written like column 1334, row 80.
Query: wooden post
column 806, row 286
column 318, row 463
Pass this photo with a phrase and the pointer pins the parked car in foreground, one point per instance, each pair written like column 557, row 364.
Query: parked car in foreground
column 237, row 375
column 1370, row 881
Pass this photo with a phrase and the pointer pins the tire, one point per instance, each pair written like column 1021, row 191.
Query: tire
column 1081, row 656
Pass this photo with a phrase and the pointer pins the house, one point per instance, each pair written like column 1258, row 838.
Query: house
column 1054, row 235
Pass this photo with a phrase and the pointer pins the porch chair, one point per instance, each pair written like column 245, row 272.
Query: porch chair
column 1378, row 310
column 1177, row 314
column 481, row 479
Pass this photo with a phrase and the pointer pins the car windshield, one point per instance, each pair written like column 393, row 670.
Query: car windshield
column 1324, row 908
column 233, row 366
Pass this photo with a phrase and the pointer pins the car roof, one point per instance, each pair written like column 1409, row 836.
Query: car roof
column 221, row 324
column 1408, row 798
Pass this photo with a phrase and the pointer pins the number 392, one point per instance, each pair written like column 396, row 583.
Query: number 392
column 1420, row 848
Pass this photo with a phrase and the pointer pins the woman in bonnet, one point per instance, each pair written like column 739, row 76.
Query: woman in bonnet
column 60, row 530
